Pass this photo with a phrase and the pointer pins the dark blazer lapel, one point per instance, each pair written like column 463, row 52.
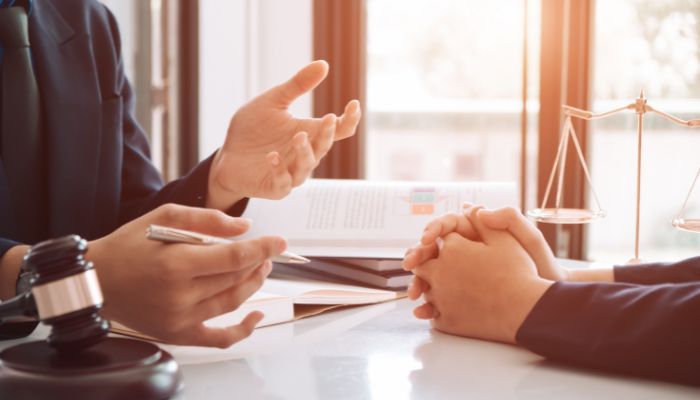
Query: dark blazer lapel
column 66, row 74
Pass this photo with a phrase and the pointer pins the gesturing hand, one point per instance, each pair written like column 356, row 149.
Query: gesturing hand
column 168, row 290
column 267, row 150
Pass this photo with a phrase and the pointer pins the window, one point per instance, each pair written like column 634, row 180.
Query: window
column 133, row 17
column 246, row 47
column 651, row 46
column 444, row 89
column 151, row 52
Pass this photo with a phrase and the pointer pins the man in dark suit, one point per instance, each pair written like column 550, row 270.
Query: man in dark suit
column 494, row 277
column 75, row 161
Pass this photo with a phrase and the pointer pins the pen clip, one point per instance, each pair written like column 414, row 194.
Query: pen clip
column 167, row 234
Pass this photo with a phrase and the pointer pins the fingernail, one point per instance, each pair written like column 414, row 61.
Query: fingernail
column 302, row 138
column 281, row 245
column 483, row 211
column 275, row 160
column 259, row 317
column 267, row 268
column 244, row 222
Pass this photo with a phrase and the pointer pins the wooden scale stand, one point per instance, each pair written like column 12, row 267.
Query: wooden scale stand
column 559, row 215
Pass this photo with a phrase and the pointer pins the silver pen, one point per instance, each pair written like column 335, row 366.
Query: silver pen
column 174, row 235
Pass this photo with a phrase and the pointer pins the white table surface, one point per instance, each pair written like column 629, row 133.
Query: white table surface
column 382, row 352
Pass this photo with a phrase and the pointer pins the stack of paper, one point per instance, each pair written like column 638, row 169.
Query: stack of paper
column 381, row 273
column 359, row 230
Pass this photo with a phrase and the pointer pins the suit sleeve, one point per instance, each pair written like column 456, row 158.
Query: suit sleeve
column 141, row 184
column 6, row 244
column 648, row 331
column 142, row 187
column 687, row 270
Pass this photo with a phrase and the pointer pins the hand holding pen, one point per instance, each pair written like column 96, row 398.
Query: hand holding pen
column 168, row 291
column 174, row 235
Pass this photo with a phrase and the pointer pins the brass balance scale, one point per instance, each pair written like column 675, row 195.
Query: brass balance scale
column 559, row 215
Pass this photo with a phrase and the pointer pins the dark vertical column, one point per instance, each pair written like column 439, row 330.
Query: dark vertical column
column 340, row 38
column 577, row 90
column 564, row 79
column 188, row 85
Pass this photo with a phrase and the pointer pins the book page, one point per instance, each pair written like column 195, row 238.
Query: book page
column 366, row 219
column 308, row 291
column 277, row 308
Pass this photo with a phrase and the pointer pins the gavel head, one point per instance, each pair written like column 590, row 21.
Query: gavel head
column 67, row 293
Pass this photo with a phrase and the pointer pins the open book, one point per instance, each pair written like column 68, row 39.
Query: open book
column 289, row 299
column 365, row 219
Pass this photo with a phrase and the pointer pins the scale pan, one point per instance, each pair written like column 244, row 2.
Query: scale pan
column 565, row 215
column 688, row 225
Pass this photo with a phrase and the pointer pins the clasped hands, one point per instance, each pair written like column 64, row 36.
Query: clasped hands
column 481, row 272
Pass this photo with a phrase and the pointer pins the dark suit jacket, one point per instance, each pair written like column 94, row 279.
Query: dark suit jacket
column 647, row 323
column 100, row 172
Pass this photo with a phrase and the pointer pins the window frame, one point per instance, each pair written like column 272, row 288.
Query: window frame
column 565, row 58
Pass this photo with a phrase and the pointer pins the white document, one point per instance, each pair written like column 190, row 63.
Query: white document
column 276, row 307
column 281, row 301
column 365, row 219
column 277, row 297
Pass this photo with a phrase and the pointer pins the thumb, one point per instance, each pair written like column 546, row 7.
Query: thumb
column 487, row 234
column 511, row 220
column 202, row 220
column 302, row 82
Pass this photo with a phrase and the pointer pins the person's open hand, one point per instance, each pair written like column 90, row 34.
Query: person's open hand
column 168, row 290
column 268, row 151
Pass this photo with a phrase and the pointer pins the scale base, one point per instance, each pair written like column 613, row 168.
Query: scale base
column 115, row 368
column 688, row 225
column 565, row 215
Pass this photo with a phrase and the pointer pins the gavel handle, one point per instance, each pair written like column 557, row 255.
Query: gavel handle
column 22, row 306
column 18, row 306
